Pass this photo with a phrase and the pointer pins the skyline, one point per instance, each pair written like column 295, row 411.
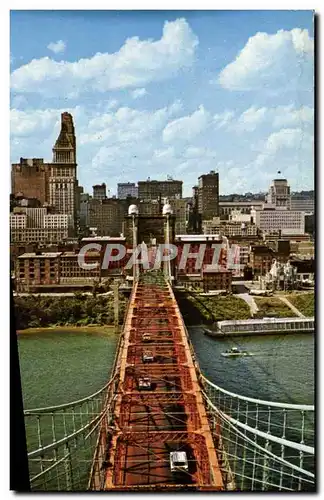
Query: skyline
column 182, row 99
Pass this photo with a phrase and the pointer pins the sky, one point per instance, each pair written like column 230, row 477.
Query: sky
column 158, row 93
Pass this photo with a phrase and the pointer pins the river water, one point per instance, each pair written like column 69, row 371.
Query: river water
column 280, row 369
column 58, row 367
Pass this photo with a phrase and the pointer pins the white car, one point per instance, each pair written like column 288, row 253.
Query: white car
column 178, row 461
column 148, row 356
column 146, row 337
column 144, row 383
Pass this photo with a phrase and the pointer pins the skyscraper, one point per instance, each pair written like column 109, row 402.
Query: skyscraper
column 279, row 193
column 208, row 195
column 62, row 180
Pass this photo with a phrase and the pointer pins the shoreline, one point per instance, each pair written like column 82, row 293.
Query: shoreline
column 61, row 329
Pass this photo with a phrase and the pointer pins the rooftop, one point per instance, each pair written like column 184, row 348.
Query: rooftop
column 45, row 255
column 104, row 238
column 198, row 237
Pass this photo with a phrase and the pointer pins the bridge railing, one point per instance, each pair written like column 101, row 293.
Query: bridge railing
column 262, row 445
column 61, row 439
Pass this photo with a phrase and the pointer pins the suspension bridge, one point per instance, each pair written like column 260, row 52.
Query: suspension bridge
column 157, row 402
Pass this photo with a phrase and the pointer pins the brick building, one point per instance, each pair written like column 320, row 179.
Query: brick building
column 195, row 242
column 30, row 179
column 261, row 258
column 36, row 270
column 216, row 280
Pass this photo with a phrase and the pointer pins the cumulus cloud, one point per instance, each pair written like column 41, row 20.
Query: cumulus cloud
column 138, row 93
column 135, row 64
column 286, row 145
column 276, row 117
column 119, row 143
column 251, row 119
column 57, row 47
column 267, row 61
column 224, row 119
column 285, row 138
column 187, row 127
column 291, row 116
column 125, row 125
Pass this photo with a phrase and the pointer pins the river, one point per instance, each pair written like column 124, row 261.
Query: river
column 58, row 367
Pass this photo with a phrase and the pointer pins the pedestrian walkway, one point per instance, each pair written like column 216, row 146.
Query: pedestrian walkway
column 250, row 302
column 293, row 308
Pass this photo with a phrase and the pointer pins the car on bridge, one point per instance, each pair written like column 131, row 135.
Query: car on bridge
column 148, row 357
column 178, row 461
column 144, row 383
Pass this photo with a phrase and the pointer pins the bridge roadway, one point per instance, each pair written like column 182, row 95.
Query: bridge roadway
column 148, row 424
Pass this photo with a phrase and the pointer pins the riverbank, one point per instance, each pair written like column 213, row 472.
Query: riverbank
column 106, row 329
column 79, row 311
column 197, row 309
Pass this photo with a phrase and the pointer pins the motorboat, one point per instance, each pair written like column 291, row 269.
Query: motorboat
column 234, row 351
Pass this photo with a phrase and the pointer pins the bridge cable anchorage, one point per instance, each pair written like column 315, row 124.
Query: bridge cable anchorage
column 157, row 402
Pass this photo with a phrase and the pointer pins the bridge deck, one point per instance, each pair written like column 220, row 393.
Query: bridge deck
column 149, row 423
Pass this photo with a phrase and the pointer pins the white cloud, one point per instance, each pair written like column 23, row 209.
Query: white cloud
column 285, row 138
column 24, row 123
column 276, row 117
column 138, row 93
column 290, row 116
column 137, row 62
column 292, row 145
column 224, row 119
column 187, row 127
column 251, row 119
column 57, row 47
column 124, row 144
column 199, row 152
column 270, row 61
column 126, row 124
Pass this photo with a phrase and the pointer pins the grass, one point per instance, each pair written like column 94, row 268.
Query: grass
column 304, row 302
column 273, row 307
column 199, row 309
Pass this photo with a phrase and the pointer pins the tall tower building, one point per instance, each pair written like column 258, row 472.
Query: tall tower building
column 279, row 193
column 63, row 181
column 208, row 195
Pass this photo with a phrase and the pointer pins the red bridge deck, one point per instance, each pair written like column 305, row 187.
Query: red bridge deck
column 149, row 423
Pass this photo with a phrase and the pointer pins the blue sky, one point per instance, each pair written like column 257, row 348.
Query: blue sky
column 156, row 93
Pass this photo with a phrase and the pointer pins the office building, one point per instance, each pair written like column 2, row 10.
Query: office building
column 279, row 194
column 30, row 179
column 286, row 221
column 154, row 190
column 208, row 195
column 306, row 205
column 99, row 191
column 62, row 181
column 126, row 189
